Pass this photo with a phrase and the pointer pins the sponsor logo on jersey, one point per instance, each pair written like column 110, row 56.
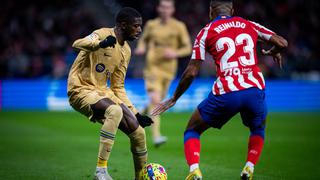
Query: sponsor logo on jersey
column 100, row 67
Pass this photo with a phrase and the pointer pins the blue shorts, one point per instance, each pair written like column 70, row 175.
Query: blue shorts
column 218, row 110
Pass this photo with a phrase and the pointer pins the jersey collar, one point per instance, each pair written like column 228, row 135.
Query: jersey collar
column 221, row 17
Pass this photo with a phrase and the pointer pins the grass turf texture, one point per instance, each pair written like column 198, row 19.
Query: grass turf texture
column 64, row 145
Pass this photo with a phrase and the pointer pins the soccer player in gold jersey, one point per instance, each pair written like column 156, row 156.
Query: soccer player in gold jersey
column 104, row 57
column 163, row 41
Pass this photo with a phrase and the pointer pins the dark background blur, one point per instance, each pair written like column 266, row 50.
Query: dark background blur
column 36, row 36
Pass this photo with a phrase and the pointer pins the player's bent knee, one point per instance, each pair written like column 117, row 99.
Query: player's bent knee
column 114, row 112
column 260, row 131
column 138, row 134
column 191, row 134
column 138, row 142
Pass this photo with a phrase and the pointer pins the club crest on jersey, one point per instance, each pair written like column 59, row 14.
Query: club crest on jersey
column 100, row 67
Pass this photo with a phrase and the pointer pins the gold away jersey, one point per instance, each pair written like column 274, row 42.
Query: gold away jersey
column 156, row 38
column 96, row 67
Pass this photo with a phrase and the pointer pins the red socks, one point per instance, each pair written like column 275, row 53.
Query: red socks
column 192, row 150
column 254, row 148
column 192, row 147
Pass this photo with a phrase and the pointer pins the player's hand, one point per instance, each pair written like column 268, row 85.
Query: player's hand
column 109, row 41
column 163, row 106
column 170, row 54
column 276, row 56
column 144, row 120
column 139, row 51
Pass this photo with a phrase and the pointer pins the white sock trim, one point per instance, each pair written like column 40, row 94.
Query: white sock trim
column 194, row 167
column 101, row 168
column 250, row 164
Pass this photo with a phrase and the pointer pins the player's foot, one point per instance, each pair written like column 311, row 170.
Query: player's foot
column 195, row 175
column 247, row 173
column 102, row 174
column 159, row 141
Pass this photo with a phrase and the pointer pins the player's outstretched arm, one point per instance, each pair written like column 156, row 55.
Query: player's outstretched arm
column 187, row 77
column 93, row 42
column 279, row 43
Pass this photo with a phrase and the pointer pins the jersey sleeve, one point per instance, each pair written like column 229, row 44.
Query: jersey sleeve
column 263, row 32
column 90, row 42
column 184, row 41
column 117, row 86
column 199, row 46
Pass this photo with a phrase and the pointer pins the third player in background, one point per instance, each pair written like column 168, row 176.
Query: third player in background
column 164, row 40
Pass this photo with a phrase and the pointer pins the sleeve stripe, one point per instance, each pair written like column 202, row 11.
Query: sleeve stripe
column 264, row 35
column 193, row 54
column 203, row 43
column 196, row 46
column 261, row 27
column 263, row 32
column 199, row 47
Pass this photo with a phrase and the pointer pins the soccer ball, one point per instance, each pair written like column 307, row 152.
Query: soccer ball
column 153, row 171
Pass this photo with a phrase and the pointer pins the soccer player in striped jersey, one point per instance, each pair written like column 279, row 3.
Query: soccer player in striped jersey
column 239, row 87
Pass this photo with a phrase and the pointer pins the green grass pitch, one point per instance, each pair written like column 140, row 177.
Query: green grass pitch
column 64, row 145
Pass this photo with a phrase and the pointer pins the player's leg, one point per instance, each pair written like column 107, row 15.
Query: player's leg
column 155, row 90
column 109, row 115
column 214, row 111
column 254, row 116
column 130, row 126
column 196, row 126
column 155, row 98
column 159, row 139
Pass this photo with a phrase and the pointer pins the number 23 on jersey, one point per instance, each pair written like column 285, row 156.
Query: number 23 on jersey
column 230, row 66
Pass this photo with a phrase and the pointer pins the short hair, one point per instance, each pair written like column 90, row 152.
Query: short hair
column 127, row 14
column 220, row 1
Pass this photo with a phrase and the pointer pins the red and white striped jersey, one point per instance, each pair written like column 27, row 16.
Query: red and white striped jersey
column 232, row 43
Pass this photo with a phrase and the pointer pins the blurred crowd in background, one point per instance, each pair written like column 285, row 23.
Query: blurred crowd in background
column 36, row 36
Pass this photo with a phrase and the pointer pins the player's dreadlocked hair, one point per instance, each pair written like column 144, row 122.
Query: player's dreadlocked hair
column 127, row 14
